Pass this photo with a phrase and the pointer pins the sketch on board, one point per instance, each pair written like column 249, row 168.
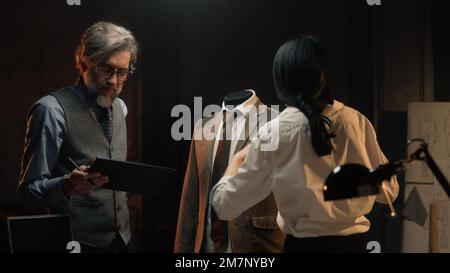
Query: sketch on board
column 427, row 130
column 431, row 122
column 446, row 128
column 439, row 227
column 416, row 237
column 439, row 193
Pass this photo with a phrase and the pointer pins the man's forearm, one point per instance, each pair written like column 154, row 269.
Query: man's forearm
column 45, row 193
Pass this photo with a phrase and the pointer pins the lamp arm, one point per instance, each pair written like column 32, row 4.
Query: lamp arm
column 436, row 171
column 386, row 171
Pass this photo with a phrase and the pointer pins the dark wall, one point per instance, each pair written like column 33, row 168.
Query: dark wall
column 441, row 42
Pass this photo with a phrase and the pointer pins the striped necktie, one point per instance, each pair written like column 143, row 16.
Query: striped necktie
column 106, row 122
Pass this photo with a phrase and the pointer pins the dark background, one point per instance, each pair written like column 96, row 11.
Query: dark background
column 380, row 57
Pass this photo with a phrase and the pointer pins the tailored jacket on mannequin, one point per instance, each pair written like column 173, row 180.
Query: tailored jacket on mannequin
column 255, row 230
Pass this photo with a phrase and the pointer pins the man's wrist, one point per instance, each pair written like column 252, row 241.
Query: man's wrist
column 67, row 186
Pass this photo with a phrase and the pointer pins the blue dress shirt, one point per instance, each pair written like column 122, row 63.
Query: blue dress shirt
column 46, row 127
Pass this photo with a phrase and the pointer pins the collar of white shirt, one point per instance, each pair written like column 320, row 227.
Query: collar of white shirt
column 243, row 108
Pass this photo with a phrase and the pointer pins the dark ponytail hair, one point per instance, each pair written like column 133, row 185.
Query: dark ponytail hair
column 301, row 80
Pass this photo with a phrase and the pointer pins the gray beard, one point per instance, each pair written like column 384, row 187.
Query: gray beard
column 105, row 101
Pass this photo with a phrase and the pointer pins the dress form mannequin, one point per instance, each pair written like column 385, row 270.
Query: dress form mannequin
column 236, row 98
column 256, row 230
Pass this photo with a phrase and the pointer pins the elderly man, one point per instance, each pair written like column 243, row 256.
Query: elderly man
column 79, row 123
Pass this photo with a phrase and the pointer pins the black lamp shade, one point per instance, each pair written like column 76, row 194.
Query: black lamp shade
column 350, row 181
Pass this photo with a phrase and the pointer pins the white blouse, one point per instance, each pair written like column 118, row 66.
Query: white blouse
column 296, row 175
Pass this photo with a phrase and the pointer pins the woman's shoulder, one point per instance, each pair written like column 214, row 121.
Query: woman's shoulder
column 285, row 128
column 292, row 119
column 349, row 117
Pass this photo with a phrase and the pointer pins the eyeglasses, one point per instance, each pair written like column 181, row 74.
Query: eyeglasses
column 106, row 71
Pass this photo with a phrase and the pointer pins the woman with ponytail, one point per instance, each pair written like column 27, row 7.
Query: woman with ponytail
column 313, row 135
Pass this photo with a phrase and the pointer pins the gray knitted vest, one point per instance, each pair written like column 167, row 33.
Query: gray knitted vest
column 98, row 216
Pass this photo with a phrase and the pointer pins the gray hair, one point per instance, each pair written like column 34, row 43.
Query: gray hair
column 103, row 39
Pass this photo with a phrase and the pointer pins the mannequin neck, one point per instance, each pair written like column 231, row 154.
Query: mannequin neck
column 236, row 98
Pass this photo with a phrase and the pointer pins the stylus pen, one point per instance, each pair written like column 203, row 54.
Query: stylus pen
column 78, row 168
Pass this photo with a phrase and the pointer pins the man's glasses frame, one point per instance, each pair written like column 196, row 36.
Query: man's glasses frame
column 106, row 71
